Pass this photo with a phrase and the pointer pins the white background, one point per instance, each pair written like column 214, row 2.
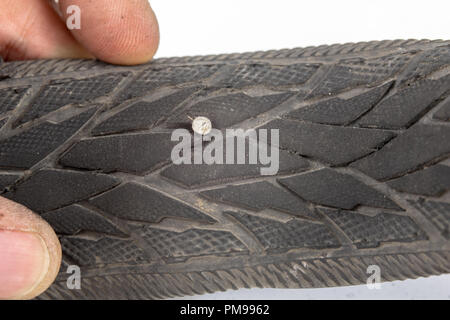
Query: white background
column 198, row 27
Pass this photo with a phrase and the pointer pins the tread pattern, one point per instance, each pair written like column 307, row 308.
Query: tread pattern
column 307, row 273
column 364, row 168
column 149, row 205
column 28, row 147
column 335, row 145
column 266, row 75
column 333, row 189
column 60, row 93
column 9, row 97
column 252, row 196
column 367, row 231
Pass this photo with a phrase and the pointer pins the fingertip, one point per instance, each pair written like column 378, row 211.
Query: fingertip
column 32, row 30
column 122, row 32
column 30, row 251
column 24, row 263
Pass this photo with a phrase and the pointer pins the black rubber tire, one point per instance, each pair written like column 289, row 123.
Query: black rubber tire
column 364, row 168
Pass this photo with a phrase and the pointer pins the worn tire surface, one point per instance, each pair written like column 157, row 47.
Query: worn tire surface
column 364, row 168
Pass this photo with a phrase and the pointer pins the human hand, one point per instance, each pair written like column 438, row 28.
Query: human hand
column 120, row 32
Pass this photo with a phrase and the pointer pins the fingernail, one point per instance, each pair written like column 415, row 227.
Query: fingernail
column 24, row 261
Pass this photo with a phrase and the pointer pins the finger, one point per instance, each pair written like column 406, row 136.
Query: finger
column 30, row 29
column 120, row 31
column 30, row 253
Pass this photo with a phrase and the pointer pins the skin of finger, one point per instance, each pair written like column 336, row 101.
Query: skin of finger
column 23, row 264
column 31, row 29
column 122, row 32
column 15, row 217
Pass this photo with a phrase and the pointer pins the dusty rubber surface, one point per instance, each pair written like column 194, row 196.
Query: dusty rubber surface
column 364, row 172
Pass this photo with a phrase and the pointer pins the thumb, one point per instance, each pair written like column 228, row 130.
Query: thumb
column 30, row 253
column 121, row 32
